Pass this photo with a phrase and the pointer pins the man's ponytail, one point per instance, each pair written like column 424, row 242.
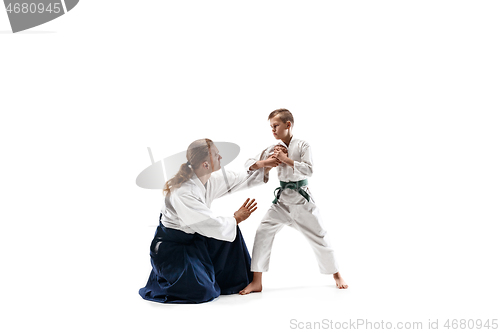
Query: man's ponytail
column 197, row 153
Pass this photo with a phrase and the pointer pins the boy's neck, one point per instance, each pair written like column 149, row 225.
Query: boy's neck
column 287, row 139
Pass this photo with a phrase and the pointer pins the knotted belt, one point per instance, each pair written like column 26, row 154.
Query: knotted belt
column 296, row 186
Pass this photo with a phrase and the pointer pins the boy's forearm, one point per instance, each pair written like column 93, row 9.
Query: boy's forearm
column 288, row 161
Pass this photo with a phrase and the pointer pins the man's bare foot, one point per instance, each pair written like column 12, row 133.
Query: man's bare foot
column 255, row 286
column 340, row 281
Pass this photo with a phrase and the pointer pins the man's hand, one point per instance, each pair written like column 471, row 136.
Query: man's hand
column 271, row 162
column 244, row 212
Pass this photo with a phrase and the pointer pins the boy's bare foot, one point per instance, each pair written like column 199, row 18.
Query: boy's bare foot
column 255, row 286
column 340, row 281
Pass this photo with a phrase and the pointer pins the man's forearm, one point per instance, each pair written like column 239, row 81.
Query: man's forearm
column 256, row 165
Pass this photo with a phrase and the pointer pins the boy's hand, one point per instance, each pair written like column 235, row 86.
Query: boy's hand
column 244, row 212
column 281, row 156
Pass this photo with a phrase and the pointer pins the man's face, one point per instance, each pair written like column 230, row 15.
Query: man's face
column 215, row 158
column 278, row 127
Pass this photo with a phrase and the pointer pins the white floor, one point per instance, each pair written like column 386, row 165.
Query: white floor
column 404, row 286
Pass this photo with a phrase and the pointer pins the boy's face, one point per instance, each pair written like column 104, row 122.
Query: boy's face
column 280, row 129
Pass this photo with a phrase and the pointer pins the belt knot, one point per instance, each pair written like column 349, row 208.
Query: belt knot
column 296, row 186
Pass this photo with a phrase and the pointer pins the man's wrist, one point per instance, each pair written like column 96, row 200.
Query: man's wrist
column 254, row 166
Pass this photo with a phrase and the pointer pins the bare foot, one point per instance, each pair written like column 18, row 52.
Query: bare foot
column 340, row 281
column 255, row 286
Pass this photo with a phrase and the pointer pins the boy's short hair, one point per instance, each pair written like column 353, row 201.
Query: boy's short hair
column 284, row 115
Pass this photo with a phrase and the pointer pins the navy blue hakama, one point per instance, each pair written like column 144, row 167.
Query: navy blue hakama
column 191, row 268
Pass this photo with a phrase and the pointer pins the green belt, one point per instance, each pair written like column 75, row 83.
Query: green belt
column 293, row 186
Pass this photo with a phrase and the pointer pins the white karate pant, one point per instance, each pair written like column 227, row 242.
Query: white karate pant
column 304, row 217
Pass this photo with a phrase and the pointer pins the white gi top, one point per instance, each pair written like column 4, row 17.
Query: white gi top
column 300, row 152
column 187, row 208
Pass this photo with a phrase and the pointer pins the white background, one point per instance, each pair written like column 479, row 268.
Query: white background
column 399, row 100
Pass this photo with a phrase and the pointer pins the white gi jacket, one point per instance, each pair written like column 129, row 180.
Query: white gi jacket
column 300, row 152
column 187, row 208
